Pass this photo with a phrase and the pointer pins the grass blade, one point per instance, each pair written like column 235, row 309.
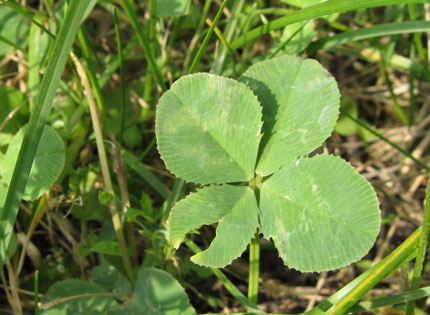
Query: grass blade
column 422, row 246
column 121, row 73
column 38, row 119
column 325, row 8
column 369, row 32
column 390, row 300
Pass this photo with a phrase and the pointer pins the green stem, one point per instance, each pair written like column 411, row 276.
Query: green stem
column 198, row 32
column 254, row 268
column 36, row 292
column 152, row 38
column 121, row 73
column 237, row 294
column 207, row 37
column 114, row 64
column 177, row 23
column 421, row 251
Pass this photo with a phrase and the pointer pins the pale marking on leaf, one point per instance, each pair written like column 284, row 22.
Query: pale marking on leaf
column 303, row 134
column 298, row 162
column 287, row 197
column 314, row 187
column 325, row 113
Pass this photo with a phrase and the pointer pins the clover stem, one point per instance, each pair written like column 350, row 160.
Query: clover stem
column 254, row 248
column 254, row 268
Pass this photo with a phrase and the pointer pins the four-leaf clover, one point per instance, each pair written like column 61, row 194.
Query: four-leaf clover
column 249, row 141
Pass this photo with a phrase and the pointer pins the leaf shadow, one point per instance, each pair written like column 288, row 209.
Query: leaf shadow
column 268, row 101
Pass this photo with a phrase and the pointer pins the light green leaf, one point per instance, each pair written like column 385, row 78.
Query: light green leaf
column 156, row 293
column 302, row 36
column 47, row 165
column 167, row 8
column 3, row 190
column 14, row 29
column 300, row 106
column 235, row 207
column 83, row 305
column 111, row 279
column 320, row 213
column 344, row 125
column 107, row 248
column 38, row 48
column 208, row 129
column 303, row 3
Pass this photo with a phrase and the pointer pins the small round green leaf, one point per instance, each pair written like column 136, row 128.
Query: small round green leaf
column 300, row 106
column 208, row 129
column 320, row 213
column 156, row 293
column 236, row 210
column 111, row 279
column 345, row 126
column 83, row 305
column 47, row 166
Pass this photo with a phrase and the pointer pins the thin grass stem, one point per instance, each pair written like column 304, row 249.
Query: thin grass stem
column 91, row 71
column 152, row 42
column 207, row 38
column 229, row 31
column 105, row 169
column 198, row 33
column 36, row 292
column 417, row 36
column 121, row 73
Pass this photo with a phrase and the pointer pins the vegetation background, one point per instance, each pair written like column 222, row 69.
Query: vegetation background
column 122, row 59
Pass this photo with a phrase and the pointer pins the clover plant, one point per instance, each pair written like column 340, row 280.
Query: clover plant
column 248, row 143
